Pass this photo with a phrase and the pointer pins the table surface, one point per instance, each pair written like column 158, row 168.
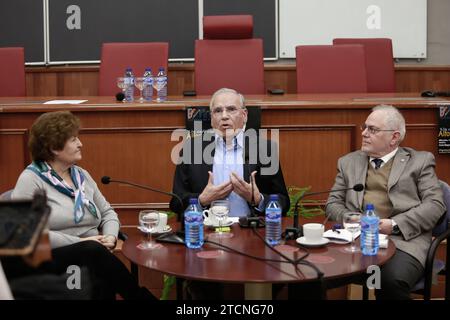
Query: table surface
column 231, row 267
column 286, row 101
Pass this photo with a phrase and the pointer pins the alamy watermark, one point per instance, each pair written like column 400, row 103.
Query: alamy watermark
column 74, row 279
column 374, row 280
column 259, row 150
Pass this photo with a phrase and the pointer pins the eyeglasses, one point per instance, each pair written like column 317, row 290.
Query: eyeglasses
column 229, row 109
column 373, row 130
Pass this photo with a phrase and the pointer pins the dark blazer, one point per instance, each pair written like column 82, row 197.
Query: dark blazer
column 190, row 179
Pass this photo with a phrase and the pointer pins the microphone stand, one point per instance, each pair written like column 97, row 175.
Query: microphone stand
column 295, row 231
column 253, row 220
column 179, row 238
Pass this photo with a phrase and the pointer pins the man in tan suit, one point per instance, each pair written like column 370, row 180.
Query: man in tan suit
column 402, row 184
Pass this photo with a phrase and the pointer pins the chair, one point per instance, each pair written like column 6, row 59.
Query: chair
column 331, row 69
column 12, row 78
column 433, row 267
column 116, row 57
column 228, row 56
column 379, row 62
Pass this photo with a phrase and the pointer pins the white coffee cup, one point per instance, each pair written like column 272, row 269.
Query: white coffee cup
column 162, row 222
column 313, row 232
column 209, row 217
column 219, row 210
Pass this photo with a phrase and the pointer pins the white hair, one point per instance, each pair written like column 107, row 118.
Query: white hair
column 227, row 90
column 394, row 119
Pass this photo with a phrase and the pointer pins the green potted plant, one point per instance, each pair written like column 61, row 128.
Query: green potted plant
column 307, row 208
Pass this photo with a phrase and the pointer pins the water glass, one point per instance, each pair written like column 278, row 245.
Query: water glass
column 220, row 209
column 140, row 83
column 149, row 221
column 352, row 223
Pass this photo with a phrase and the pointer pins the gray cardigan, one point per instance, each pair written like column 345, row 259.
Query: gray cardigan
column 63, row 230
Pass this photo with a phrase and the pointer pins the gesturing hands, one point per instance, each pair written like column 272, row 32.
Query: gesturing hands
column 212, row 192
column 236, row 184
column 244, row 189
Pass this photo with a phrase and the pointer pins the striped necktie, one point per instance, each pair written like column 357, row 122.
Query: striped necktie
column 378, row 162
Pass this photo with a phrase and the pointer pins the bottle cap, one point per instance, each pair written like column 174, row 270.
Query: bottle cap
column 193, row 201
column 274, row 197
column 370, row 206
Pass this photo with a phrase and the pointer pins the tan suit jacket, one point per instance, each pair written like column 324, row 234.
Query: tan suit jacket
column 413, row 190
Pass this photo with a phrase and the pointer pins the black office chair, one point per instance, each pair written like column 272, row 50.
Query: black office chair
column 434, row 267
column 202, row 115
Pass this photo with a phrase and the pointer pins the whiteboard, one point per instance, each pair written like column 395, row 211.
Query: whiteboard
column 312, row 22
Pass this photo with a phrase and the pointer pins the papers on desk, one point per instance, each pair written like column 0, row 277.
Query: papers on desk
column 343, row 236
column 65, row 101
column 340, row 236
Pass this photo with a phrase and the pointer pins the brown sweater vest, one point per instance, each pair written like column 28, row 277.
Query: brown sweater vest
column 376, row 190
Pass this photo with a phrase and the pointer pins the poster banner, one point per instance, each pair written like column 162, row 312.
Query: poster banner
column 444, row 130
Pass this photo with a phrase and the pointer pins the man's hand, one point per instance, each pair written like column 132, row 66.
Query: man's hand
column 385, row 226
column 212, row 192
column 244, row 189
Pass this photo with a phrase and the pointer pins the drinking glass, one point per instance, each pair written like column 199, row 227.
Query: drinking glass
column 158, row 85
column 220, row 209
column 352, row 223
column 140, row 84
column 148, row 220
column 122, row 84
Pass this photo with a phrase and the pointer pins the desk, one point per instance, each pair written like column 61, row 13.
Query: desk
column 133, row 141
column 177, row 260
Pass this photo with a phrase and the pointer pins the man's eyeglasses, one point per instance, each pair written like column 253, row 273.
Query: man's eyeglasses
column 373, row 130
column 229, row 109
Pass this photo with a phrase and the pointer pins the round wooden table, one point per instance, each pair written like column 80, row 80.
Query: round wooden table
column 231, row 267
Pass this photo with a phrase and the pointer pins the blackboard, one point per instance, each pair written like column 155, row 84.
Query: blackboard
column 264, row 14
column 22, row 25
column 72, row 40
column 72, row 31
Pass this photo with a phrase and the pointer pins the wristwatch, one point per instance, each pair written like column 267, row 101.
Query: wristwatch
column 396, row 230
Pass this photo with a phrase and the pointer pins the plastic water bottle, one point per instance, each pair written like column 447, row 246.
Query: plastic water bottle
column 147, row 93
column 369, row 231
column 273, row 220
column 193, row 220
column 129, row 81
column 161, row 85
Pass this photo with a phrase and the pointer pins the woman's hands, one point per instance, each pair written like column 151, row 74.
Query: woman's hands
column 109, row 241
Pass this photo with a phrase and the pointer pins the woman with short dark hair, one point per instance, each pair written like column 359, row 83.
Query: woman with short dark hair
column 83, row 225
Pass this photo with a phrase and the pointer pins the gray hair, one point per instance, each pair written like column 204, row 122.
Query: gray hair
column 394, row 119
column 226, row 90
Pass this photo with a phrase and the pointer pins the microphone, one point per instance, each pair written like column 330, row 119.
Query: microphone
column 294, row 232
column 120, row 96
column 107, row 180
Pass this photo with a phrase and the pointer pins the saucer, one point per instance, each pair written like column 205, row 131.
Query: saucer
column 167, row 229
column 302, row 241
column 227, row 223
